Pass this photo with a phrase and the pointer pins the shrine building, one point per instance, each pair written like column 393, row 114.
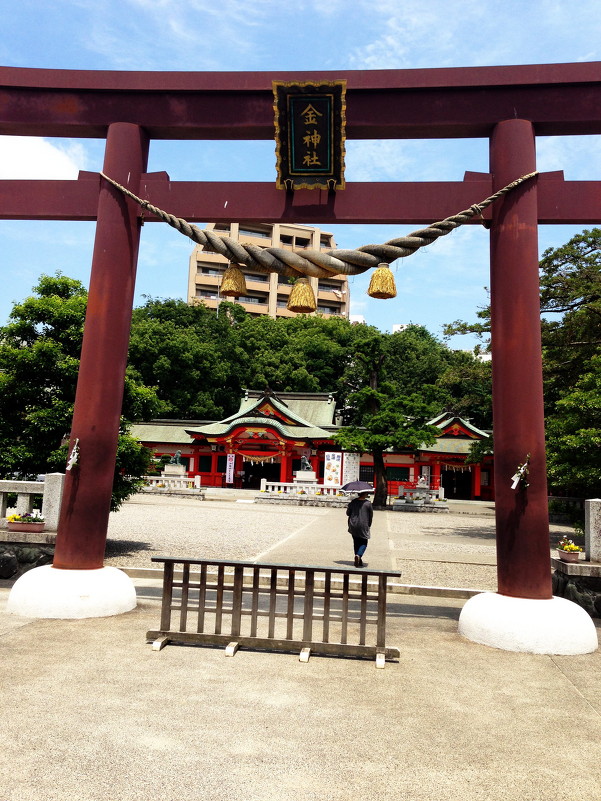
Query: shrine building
column 270, row 433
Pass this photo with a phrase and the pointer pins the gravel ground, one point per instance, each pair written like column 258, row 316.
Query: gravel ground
column 149, row 526
column 458, row 549
column 446, row 539
column 448, row 574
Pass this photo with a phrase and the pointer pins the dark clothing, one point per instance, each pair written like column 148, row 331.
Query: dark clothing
column 360, row 513
column 359, row 546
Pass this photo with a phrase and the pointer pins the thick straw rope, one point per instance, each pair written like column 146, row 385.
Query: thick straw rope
column 317, row 263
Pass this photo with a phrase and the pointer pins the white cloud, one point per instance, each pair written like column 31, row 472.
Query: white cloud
column 578, row 156
column 444, row 33
column 376, row 160
column 176, row 34
column 35, row 158
column 412, row 34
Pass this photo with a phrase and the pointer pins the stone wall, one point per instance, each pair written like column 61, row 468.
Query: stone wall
column 18, row 558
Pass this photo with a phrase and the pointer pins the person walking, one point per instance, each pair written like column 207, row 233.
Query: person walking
column 360, row 514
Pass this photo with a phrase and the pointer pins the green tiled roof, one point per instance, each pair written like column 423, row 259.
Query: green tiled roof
column 316, row 408
column 449, row 445
column 155, row 432
column 446, row 419
column 287, row 431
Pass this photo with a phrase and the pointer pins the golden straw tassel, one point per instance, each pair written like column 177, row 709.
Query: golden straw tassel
column 382, row 283
column 232, row 284
column 302, row 299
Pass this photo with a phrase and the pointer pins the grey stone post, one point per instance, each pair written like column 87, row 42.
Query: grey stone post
column 51, row 505
column 24, row 503
column 592, row 529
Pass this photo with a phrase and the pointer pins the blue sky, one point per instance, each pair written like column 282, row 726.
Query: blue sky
column 441, row 283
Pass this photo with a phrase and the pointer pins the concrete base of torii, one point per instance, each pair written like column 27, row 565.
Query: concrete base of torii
column 49, row 592
column 553, row 626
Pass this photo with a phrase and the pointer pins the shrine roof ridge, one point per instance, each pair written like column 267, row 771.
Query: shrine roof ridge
column 288, row 431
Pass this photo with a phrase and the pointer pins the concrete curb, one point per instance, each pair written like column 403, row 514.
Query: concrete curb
column 393, row 587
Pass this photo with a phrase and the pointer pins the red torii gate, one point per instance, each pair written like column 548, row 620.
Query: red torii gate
column 507, row 105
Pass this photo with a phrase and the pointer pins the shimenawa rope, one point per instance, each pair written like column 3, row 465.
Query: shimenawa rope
column 316, row 263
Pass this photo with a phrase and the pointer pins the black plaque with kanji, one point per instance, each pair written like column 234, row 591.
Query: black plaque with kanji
column 310, row 119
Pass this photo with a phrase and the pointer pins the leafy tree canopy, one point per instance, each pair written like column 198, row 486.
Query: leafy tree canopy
column 570, row 281
column 382, row 411
column 39, row 362
column 574, row 436
column 187, row 362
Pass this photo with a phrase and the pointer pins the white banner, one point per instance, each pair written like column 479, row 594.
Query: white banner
column 229, row 470
column 350, row 467
column 333, row 470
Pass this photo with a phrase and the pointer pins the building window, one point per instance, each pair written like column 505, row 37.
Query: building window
column 366, row 473
column 328, row 310
column 397, row 473
column 221, row 463
column 302, row 242
column 204, row 463
column 250, row 232
column 251, row 299
column 286, row 240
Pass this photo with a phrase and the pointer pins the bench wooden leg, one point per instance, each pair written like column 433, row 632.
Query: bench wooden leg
column 231, row 649
column 304, row 655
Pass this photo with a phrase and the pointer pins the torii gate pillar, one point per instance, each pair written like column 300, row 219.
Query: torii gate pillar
column 523, row 615
column 77, row 585
column 518, row 411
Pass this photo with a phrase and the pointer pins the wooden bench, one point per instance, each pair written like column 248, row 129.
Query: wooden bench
column 277, row 607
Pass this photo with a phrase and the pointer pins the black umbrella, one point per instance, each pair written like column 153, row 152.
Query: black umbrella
column 358, row 486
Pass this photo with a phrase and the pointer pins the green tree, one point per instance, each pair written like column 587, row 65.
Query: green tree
column 467, row 383
column 298, row 354
column 574, row 436
column 381, row 412
column 199, row 362
column 387, row 421
column 571, row 306
column 570, row 280
column 39, row 361
column 414, row 358
column 189, row 355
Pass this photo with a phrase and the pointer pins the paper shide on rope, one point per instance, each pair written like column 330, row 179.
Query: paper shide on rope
column 307, row 263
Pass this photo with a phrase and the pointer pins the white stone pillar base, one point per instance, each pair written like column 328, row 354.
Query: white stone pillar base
column 49, row 592
column 554, row 626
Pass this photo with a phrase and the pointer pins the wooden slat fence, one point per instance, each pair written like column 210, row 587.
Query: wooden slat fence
column 277, row 607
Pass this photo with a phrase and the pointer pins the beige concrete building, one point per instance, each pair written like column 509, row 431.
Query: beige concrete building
column 266, row 293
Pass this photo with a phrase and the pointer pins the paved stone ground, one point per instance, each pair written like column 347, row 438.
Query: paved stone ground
column 91, row 713
column 454, row 550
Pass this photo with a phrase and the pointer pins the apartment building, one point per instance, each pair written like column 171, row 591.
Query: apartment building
column 266, row 293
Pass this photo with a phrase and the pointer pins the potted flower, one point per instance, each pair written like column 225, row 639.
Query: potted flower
column 25, row 522
column 568, row 551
